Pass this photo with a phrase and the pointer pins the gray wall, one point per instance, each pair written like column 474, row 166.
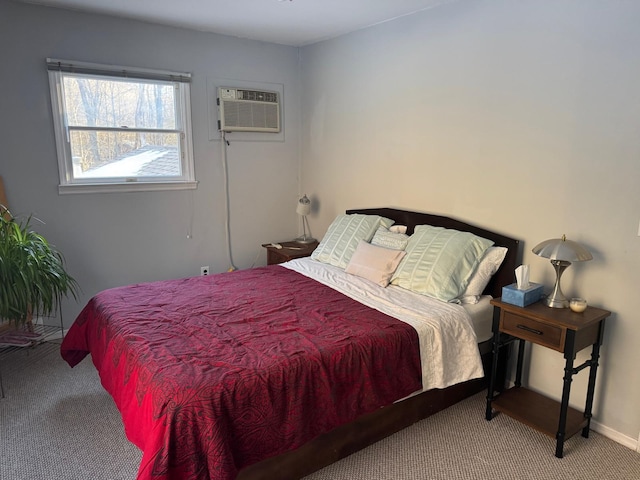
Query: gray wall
column 115, row 239
column 520, row 116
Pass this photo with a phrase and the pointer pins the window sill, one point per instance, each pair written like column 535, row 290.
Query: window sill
column 125, row 187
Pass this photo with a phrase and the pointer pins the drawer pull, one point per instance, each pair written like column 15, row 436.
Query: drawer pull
column 530, row 330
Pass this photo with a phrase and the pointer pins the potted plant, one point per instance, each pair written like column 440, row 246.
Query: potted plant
column 33, row 279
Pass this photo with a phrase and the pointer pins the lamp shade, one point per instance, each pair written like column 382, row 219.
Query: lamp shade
column 562, row 249
column 304, row 206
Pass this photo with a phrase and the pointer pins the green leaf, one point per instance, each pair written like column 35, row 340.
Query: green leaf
column 32, row 273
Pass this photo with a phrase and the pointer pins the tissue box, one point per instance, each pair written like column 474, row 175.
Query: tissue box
column 522, row 298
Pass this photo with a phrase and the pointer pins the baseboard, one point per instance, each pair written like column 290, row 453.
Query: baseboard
column 616, row 436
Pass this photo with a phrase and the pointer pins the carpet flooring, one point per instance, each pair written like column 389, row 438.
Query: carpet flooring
column 58, row 423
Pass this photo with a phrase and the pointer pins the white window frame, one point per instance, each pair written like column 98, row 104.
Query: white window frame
column 70, row 184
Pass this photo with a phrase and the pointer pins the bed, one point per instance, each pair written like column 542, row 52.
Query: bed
column 269, row 372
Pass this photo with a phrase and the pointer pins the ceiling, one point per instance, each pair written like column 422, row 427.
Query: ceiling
column 288, row 22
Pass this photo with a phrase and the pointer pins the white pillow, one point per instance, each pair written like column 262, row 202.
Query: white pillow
column 488, row 266
column 440, row 261
column 374, row 263
column 344, row 234
column 398, row 228
column 384, row 237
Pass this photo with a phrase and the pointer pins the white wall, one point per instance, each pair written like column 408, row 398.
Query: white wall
column 116, row 239
column 520, row 116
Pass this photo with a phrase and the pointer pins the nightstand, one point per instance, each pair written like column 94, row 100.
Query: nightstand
column 559, row 329
column 289, row 251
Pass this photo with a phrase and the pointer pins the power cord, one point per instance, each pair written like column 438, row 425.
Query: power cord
column 223, row 151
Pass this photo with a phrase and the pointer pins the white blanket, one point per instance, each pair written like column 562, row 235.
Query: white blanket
column 448, row 345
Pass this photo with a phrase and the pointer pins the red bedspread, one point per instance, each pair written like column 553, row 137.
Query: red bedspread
column 215, row 373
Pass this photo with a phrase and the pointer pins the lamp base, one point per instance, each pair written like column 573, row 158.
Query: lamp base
column 556, row 298
column 305, row 240
column 555, row 302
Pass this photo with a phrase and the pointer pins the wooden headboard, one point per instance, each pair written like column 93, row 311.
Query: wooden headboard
column 504, row 276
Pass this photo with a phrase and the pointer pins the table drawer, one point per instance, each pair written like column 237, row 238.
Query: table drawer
column 533, row 331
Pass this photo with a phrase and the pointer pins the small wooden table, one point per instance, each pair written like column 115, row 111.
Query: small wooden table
column 559, row 329
column 289, row 251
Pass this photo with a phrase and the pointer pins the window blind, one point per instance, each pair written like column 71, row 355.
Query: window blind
column 116, row 71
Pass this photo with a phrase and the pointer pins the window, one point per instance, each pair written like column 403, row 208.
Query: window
column 121, row 129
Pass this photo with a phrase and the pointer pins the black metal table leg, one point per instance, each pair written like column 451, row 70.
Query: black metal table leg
column 518, row 381
column 593, row 367
column 569, row 356
column 494, row 363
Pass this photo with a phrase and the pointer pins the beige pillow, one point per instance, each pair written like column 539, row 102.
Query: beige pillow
column 374, row 263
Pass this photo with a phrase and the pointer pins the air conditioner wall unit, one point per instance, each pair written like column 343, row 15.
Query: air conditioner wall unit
column 246, row 110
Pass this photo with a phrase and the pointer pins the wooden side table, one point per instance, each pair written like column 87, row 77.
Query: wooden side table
column 559, row 329
column 289, row 251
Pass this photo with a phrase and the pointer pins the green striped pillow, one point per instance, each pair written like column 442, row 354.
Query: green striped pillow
column 388, row 239
column 439, row 261
column 344, row 235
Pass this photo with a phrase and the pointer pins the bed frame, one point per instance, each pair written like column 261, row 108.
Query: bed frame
column 368, row 429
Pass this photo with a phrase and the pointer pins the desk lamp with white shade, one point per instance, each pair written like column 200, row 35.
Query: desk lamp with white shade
column 303, row 209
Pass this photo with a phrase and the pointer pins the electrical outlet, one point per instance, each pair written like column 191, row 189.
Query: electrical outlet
column 204, row 271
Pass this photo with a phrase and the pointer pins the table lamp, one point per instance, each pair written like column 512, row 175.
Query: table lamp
column 561, row 252
column 303, row 209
